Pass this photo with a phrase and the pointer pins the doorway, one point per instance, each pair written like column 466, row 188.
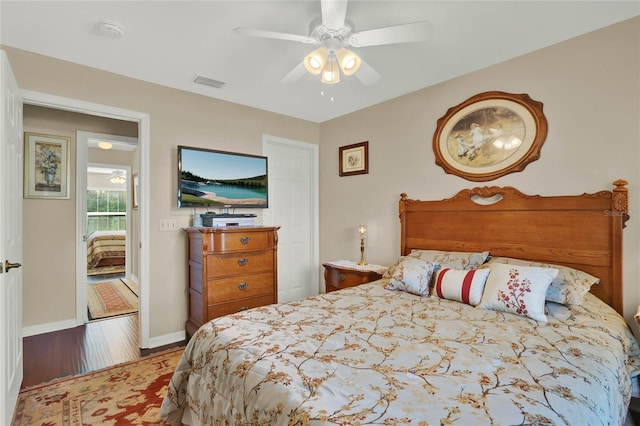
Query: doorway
column 112, row 289
column 107, row 283
column 142, row 226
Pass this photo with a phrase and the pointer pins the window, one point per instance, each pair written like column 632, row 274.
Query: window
column 106, row 210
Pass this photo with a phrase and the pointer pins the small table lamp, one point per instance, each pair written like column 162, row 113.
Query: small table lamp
column 362, row 229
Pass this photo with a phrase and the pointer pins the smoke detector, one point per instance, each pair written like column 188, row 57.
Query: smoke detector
column 110, row 29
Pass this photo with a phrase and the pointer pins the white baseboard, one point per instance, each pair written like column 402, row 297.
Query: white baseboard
column 48, row 327
column 166, row 339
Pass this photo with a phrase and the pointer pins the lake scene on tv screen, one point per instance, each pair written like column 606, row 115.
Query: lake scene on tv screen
column 211, row 178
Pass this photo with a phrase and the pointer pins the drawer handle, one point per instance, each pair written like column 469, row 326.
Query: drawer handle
column 243, row 261
column 243, row 308
column 342, row 277
column 245, row 240
column 243, row 286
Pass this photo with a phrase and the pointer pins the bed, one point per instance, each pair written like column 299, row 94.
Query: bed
column 106, row 252
column 409, row 349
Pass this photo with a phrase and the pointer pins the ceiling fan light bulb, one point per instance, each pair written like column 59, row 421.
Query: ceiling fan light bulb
column 330, row 72
column 349, row 62
column 314, row 61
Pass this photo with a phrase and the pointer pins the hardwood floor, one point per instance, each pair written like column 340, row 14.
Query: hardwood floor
column 96, row 345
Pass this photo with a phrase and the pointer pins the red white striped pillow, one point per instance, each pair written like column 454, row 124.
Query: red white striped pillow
column 461, row 285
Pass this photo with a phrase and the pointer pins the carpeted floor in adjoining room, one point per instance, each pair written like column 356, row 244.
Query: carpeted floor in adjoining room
column 126, row 394
column 111, row 298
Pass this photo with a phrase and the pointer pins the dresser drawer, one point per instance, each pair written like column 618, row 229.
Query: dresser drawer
column 220, row 309
column 225, row 265
column 240, row 241
column 241, row 287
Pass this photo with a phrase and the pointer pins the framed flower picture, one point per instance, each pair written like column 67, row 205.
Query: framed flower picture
column 46, row 166
column 490, row 135
column 354, row 159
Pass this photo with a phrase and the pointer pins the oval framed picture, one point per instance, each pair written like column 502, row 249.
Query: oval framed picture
column 490, row 135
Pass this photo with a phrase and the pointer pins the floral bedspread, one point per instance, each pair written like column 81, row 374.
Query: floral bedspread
column 367, row 355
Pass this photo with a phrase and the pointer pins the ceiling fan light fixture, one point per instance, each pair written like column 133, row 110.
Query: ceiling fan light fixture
column 314, row 62
column 331, row 71
column 349, row 62
column 117, row 177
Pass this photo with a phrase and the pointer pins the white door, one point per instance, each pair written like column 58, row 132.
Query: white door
column 11, row 150
column 293, row 205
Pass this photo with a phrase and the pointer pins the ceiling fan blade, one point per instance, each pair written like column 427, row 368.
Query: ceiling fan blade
column 295, row 74
column 276, row 35
column 333, row 13
column 367, row 75
column 417, row 31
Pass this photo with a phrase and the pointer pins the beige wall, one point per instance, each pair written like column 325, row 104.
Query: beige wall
column 589, row 87
column 590, row 90
column 177, row 118
column 50, row 225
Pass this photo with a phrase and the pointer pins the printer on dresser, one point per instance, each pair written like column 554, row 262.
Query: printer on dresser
column 230, row 269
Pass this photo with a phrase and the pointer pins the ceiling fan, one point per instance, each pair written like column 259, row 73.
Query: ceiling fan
column 117, row 176
column 333, row 34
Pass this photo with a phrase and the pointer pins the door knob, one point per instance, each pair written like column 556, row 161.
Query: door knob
column 9, row 265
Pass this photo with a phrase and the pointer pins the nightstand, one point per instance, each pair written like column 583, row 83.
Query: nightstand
column 343, row 274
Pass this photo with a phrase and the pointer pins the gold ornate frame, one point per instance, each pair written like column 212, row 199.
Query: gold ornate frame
column 490, row 135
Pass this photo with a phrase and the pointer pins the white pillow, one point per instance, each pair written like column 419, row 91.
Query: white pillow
column 569, row 287
column 517, row 289
column 412, row 275
column 461, row 285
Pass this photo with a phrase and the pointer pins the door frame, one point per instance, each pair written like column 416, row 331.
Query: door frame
column 144, row 129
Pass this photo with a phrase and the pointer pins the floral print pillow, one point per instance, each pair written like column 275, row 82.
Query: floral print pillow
column 447, row 259
column 518, row 290
column 412, row 275
column 568, row 288
column 452, row 259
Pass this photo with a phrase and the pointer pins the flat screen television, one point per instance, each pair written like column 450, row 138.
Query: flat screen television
column 221, row 179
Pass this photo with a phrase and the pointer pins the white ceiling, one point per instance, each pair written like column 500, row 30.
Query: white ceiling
column 170, row 42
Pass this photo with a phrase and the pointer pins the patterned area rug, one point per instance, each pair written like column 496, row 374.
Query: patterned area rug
column 126, row 394
column 110, row 298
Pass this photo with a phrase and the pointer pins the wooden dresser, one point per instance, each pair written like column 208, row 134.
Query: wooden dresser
column 230, row 270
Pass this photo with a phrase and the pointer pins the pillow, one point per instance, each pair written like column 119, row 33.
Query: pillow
column 568, row 288
column 447, row 259
column 451, row 259
column 412, row 275
column 517, row 289
column 460, row 285
column 558, row 311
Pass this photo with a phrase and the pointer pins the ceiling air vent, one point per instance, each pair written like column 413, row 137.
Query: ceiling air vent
column 209, row 82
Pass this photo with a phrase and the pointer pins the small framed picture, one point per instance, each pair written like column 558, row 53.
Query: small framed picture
column 46, row 166
column 354, row 159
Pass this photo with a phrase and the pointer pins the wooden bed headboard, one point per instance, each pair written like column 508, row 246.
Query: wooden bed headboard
column 579, row 231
